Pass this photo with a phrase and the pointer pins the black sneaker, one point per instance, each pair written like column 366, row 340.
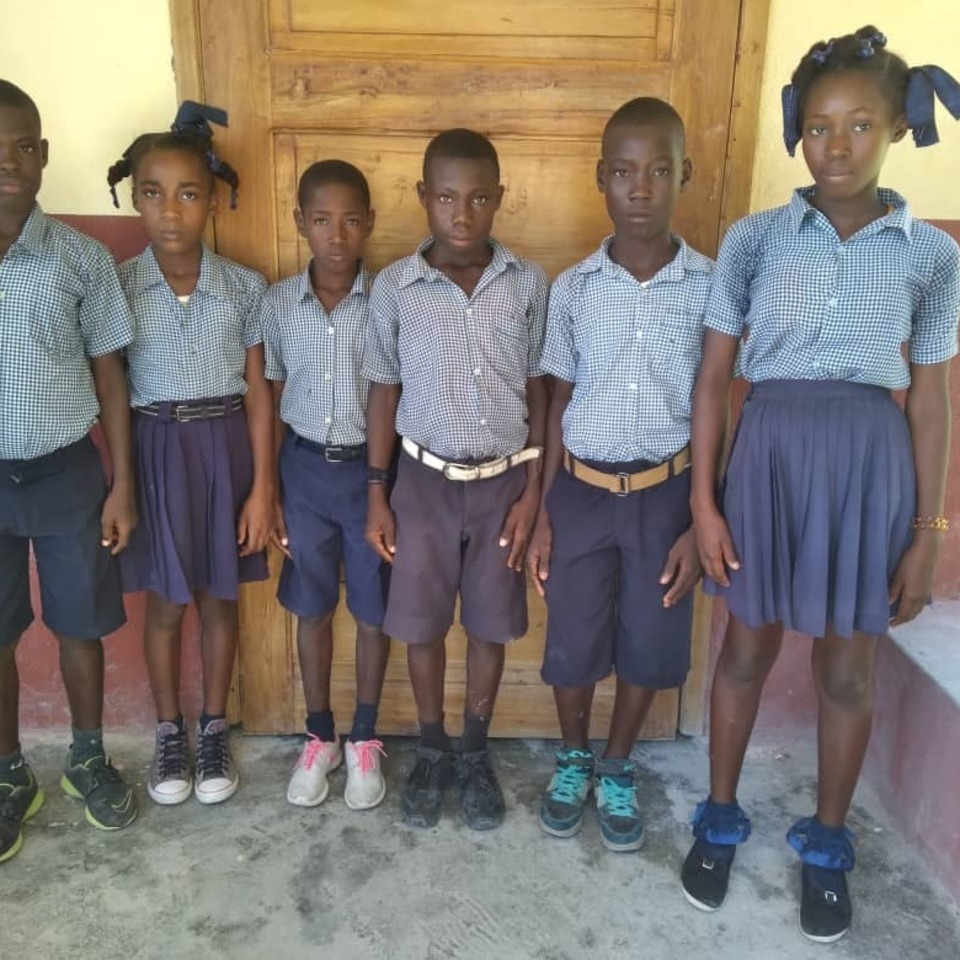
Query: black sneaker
column 825, row 907
column 422, row 797
column 20, row 799
column 706, row 874
column 109, row 801
column 481, row 798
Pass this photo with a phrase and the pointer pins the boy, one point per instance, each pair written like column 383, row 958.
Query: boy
column 459, row 327
column 63, row 322
column 613, row 549
column 314, row 327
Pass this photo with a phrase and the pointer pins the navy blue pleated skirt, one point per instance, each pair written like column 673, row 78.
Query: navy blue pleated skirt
column 819, row 496
column 192, row 481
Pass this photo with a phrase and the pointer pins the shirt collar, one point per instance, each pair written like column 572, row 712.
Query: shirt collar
column 417, row 267
column 687, row 260
column 211, row 280
column 33, row 233
column 800, row 210
column 361, row 283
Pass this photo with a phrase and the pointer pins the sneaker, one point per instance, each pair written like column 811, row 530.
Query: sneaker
column 422, row 797
column 109, row 802
column 561, row 804
column 618, row 809
column 217, row 778
column 481, row 799
column 825, row 907
column 706, row 874
column 366, row 787
column 308, row 785
column 170, row 781
column 20, row 799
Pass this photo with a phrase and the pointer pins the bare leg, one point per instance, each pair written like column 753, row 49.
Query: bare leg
column 220, row 631
column 315, row 646
column 9, row 700
column 161, row 649
column 484, row 670
column 81, row 666
column 427, row 663
column 373, row 651
column 629, row 711
column 573, row 711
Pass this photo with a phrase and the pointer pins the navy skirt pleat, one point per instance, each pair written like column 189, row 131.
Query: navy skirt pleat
column 819, row 496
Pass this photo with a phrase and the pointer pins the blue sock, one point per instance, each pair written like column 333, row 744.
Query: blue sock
column 364, row 722
column 320, row 724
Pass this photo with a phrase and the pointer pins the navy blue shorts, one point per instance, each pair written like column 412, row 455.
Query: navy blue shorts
column 604, row 599
column 55, row 502
column 325, row 508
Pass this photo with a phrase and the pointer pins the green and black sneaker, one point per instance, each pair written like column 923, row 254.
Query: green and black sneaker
column 110, row 804
column 20, row 799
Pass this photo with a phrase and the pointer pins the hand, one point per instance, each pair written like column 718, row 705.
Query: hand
column 682, row 568
column 279, row 537
column 913, row 578
column 257, row 521
column 538, row 553
column 118, row 518
column 517, row 527
column 381, row 531
column 715, row 545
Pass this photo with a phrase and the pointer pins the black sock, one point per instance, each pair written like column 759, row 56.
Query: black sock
column 364, row 722
column 11, row 761
column 474, row 737
column 434, row 737
column 208, row 718
column 320, row 725
column 86, row 744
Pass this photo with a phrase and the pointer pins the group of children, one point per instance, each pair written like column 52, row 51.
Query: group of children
column 454, row 422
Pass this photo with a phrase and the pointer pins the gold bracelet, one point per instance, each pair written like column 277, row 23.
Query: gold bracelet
column 931, row 523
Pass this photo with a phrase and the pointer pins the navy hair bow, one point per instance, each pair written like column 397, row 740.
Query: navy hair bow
column 194, row 119
column 924, row 82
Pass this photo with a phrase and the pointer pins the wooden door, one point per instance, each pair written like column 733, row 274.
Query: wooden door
column 370, row 81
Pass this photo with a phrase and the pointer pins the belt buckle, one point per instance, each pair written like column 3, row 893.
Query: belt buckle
column 333, row 454
column 461, row 472
column 624, row 480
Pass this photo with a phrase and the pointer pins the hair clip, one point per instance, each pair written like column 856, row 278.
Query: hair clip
column 822, row 54
column 924, row 83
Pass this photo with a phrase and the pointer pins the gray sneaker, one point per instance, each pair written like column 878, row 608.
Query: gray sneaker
column 170, row 781
column 217, row 778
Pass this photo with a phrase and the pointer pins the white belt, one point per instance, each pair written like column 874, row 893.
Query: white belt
column 466, row 472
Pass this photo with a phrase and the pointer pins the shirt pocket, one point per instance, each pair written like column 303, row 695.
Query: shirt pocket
column 55, row 320
column 677, row 358
column 512, row 340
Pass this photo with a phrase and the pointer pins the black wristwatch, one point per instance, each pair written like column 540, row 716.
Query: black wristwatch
column 376, row 475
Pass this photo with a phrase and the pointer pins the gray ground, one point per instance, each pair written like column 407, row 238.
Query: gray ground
column 258, row 878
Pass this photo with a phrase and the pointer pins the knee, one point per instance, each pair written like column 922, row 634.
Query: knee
column 745, row 664
column 166, row 615
column 313, row 624
column 848, row 686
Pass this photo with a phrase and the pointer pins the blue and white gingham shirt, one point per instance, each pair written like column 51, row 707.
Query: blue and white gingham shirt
column 319, row 355
column 60, row 305
column 193, row 350
column 631, row 350
column 463, row 361
column 814, row 308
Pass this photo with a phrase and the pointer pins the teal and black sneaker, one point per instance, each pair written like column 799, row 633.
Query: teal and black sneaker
column 561, row 804
column 110, row 804
column 621, row 824
column 20, row 799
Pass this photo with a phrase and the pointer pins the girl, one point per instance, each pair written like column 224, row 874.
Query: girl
column 202, row 431
column 832, row 515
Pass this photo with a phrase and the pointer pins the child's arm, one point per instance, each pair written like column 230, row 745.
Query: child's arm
column 382, row 405
column 279, row 537
column 256, row 521
column 119, row 514
column 928, row 413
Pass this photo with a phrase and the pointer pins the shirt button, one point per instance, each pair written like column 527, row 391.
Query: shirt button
column 326, row 376
column 469, row 311
column 476, row 371
column 330, row 331
column 832, row 302
column 483, row 421
column 3, row 294
column 327, row 420
column 633, row 386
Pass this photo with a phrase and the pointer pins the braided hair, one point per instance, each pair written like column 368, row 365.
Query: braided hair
column 191, row 134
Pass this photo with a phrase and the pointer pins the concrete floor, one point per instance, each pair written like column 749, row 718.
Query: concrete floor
column 258, row 878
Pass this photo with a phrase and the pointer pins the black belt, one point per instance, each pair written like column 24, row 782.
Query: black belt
column 186, row 412
column 332, row 454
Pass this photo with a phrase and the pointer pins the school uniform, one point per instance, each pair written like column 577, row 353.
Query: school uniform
column 621, row 499
column 820, row 490
column 323, row 460
column 463, row 363
column 60, row 306
column 191, row 444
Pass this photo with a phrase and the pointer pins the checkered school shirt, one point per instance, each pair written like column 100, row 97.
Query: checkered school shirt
column 463, row 361
column 60, row 304
column 631, row 350
column 193, row 350
column 813, row 308
column 319, row 355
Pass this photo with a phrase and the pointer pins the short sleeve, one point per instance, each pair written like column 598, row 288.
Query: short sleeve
column 559, row 355
column 272, row 345
column 381, row 356
column 255, row 289
column 537, row 320
column 105, row 321
column 729, row 299
column 934, row 335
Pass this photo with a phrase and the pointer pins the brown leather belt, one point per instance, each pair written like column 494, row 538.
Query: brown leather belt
column 623, row 483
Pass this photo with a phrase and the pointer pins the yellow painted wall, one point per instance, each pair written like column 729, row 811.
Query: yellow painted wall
column 921, row 31
column 101, row 72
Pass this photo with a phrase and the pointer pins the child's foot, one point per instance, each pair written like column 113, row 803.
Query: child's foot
column 481, row 798
column 170, row 781
column 366, row 787
column 217, row 777
column 621, row 823
column 308, row 785
column 20, row 799
column 561, row 804
column 109, row 802
column 422, row 799
column 706, row 874
column 825, row 907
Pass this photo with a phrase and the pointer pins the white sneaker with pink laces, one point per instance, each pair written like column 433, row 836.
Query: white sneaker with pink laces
column 365, row 784
column 308, row 785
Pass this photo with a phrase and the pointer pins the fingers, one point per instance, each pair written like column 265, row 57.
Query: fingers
column 379, row 544
column 280, row 540
column 686, row 579
column 538, row 563
column 121, row 538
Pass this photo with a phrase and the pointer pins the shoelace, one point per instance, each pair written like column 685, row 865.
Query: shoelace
column 212, row 754
column 480, row 774
column 426, row 774
column 367, row 751
column 568, row 781
column 172, row 755
column 101, row 771
column 618, row 798
column 312, row 748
